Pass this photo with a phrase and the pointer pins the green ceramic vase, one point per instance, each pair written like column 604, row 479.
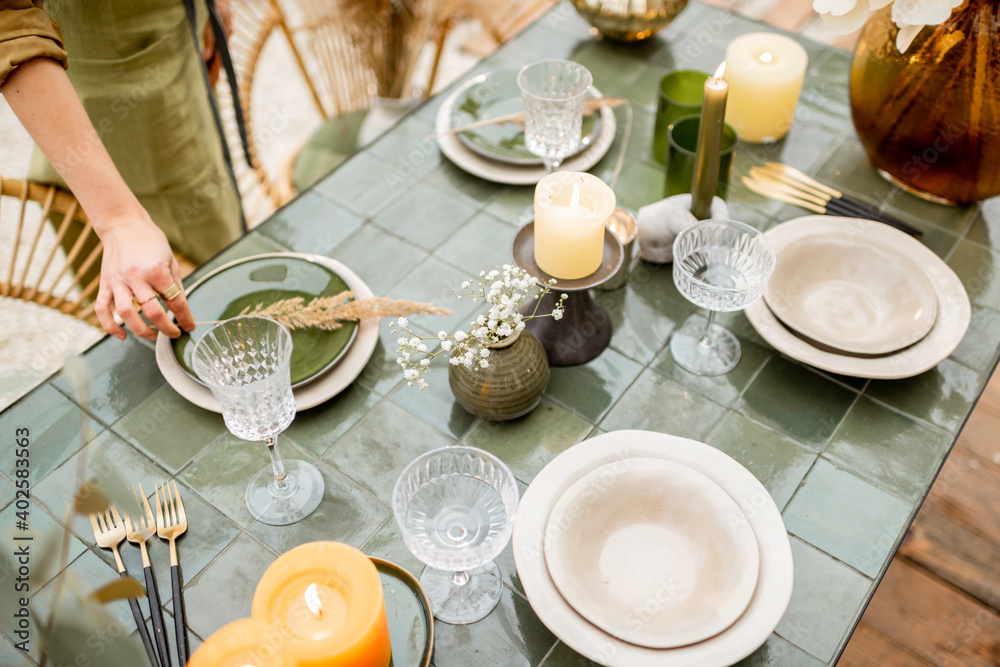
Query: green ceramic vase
column 510, row 387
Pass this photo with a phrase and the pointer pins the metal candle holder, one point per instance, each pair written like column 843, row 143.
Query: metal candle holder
column 585, row 329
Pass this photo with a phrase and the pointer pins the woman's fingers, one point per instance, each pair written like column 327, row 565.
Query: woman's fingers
column 102, row 307
column 128, row 313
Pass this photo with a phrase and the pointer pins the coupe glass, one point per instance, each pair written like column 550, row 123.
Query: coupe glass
column 246, row 362
column 720, row 265
column 455, row 508
column 553, row 92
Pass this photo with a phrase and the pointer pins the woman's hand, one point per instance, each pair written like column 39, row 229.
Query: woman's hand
column 138, row 263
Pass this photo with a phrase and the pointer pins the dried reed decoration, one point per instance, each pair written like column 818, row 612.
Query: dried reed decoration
column 329, row 312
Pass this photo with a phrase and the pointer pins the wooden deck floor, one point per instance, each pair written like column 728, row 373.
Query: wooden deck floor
column 939, row 603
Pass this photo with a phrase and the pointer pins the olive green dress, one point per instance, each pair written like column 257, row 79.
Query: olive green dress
column 137, row 70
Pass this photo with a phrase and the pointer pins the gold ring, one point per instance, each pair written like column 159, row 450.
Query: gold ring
column 138, row 304
column 117, row 318
column 171, row 292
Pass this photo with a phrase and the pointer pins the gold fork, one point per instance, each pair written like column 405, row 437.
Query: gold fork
column 171, row 522
column 109, row 531
column 138, row 532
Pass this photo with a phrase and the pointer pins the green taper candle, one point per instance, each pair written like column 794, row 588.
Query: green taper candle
column 706, row 164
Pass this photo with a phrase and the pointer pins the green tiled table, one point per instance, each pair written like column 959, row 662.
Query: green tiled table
column 848, row 461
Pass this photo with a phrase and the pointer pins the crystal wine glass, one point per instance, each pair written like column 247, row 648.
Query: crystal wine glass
column 554, row 92
column 455, row 508
column 246, row 362
column 720, row 265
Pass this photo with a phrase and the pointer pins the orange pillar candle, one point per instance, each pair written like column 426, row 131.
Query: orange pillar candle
column 326, row 599
column 244, row 643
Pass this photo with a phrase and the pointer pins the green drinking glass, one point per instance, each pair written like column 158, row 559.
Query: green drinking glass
column 680, row 95
column 682, row 145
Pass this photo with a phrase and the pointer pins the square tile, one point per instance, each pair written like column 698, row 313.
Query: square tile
column 985, row 227
column 108, row 457
column 528, row 443
column 645, row 311
column 232, row 577
column 778, row 652
column 379, row 258
column 382, row 373
column 364, row 184
column 979, row 270
column 409, row 147
column 425, row 215
column 955, row 219
column 640, row 184
column 847, row 518
column 43, row 537
column 979, row 347
column 52, row 424
column 435, row 282
column 607, row 62
column 591, row 389
column 511, row 636
column 318, row 429
column 122, row 375
column 221, row 474
column 562, row 655
column 169, row 429
column 827, row 599
column 346, row 514
column 311, row 224
column 6, row 492
column 722, row 388
column 14, row 657
column 853, row 174
column 888, row 448
column 796, row 401
column 456, row 181
column 374, row 452
column 944, row 395
column 436, row 404
column 777, row 461
column 514, row 205
column 252, row 244
column 680, row 411
column 481, row 244
column 85, row 574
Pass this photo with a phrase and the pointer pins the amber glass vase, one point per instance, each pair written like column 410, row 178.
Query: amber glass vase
column 930, row 117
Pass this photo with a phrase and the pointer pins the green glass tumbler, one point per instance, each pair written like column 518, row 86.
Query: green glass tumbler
column 682, row 146
column 680, row 95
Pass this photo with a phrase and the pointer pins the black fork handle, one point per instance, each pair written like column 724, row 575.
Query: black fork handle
column 157, row 615
column 140, row 624
column 180, row 631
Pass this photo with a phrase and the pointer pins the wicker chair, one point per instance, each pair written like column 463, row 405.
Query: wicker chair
column 38, row 276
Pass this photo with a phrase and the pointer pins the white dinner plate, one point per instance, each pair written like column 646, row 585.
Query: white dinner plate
column 853, row 294
column 774, row 580
column 321, row 389
column 652, row 552
column 952, row 321
column 512, row 174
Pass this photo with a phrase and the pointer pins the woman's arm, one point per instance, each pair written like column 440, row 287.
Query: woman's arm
column 137, row 257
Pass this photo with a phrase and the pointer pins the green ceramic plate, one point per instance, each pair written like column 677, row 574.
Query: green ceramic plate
column 411, row 621
column 497, row 95
column 226, row 292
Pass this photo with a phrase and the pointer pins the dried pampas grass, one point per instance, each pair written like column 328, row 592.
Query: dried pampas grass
column 329, row 312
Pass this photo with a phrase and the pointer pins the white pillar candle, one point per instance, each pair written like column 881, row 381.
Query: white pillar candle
column 570, row 210
column 765, row 72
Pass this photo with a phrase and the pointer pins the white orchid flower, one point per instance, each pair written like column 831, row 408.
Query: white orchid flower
column 846, row 16
column 910, row 16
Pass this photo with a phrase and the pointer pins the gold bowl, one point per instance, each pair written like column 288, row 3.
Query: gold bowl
column 629, row 20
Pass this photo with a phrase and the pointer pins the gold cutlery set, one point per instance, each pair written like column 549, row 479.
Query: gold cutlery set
column 111, row 528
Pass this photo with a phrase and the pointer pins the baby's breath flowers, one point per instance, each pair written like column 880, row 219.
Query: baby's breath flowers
column 503, row 290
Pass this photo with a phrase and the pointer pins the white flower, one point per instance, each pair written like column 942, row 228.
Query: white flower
column 484, row 364
column 846, row 16
column 442, row 335
column 425, row 362
column 484, row 352
column 411, row 374
column 557, row 314
column 460, row 336
column 446, row 345
column 421, row 348
column 465, row 285
column 402, row 322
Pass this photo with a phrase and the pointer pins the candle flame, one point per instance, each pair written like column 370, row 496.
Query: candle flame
column 719, row 72
column 313, row 602
column 766, row 57
column 575, row 199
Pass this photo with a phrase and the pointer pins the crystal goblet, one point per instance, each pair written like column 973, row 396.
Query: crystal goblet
column 455, row 508
column 246, row 362
column 554, row 92
column 720, row 265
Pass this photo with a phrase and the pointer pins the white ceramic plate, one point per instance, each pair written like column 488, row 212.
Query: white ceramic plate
column 307, row 396
column 774, row 581
column 851, row 293
column 954, row 310
column 513, row 174
column 652, row 552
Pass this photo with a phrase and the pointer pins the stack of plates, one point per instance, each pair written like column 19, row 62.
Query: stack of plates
column 859, row 298
column 644, row 549
column 497, row 152
column 324, row 363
